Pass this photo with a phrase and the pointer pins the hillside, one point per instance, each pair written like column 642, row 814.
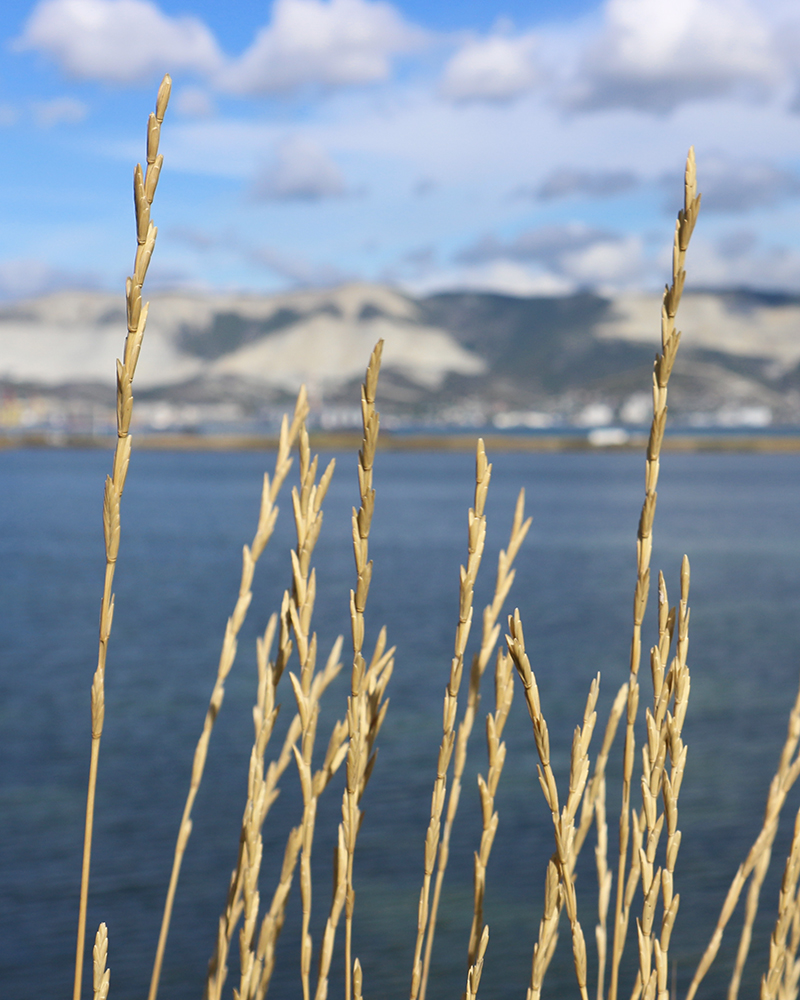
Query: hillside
column 458, row 357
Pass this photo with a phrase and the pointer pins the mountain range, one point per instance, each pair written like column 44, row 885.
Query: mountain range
column 460, row 357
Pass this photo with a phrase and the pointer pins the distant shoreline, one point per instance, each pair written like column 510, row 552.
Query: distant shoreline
column 344, row 441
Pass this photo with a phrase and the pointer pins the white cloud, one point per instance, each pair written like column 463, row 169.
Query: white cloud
column 329, row 44
column 302, row 171
column 59, row 111
column 118, row 41
column 497, row 68
column 193, row 102
column 502, row 276
column 768, row 268
column 612, row 263
column 572, row 255
column 653, row 55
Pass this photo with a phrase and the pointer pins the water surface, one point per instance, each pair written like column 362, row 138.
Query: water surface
column 185, row 518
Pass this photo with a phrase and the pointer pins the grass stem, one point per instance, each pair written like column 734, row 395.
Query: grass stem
column 144, row 188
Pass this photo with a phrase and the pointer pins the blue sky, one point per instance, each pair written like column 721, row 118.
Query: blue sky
column 521, row 147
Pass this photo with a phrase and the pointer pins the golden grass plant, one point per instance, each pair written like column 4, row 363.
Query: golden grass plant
column 144, row 189
column 648, row 836
column 489, row 637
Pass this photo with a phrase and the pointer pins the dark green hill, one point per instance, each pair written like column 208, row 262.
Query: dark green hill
column 548, row 344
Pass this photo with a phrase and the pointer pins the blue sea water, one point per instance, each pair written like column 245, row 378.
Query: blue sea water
column 185, row 517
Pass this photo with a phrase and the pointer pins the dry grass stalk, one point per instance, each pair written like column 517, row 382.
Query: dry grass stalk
column 269, row 674
column 272, row 924
column 477, row 538
column 334, row 913
column 250, row 555
column 255, row 975
column 773, row 978
column 750, row 911
column 595, row 788
column 258, row 803
column 670, row 338
column 604, row 880
column 594, row 801
column 679, row 685
column 308, row 522
column 144, row 189
column 357, row 980
column 781, row 784
column 790, row 981
column 664, row 737
column 366, row 707
column 787, row 772
column 563, row 819
column 495, row 723
column 100, row 974
column 476, row 968
column 297, row 610
column 252, row 958
column 377, row 677
column 545, row 944
column 259, row 798
column 634, row 875
column 489, row 637
column 365, row 712
column 334, row 756
column 594, row 807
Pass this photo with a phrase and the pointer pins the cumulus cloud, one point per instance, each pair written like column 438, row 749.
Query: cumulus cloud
column 578, row 254
column 565, row 258
column 301, row 171
column 567, row 183
column 653, row 56
column 765, row 268
column 501, row 276
column 607, row 262
column 733, row 186
column 329, row 44
column 497, row 68
column 118, row 41
column 59, row 111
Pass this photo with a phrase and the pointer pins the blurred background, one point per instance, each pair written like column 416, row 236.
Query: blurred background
column 414, row 170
